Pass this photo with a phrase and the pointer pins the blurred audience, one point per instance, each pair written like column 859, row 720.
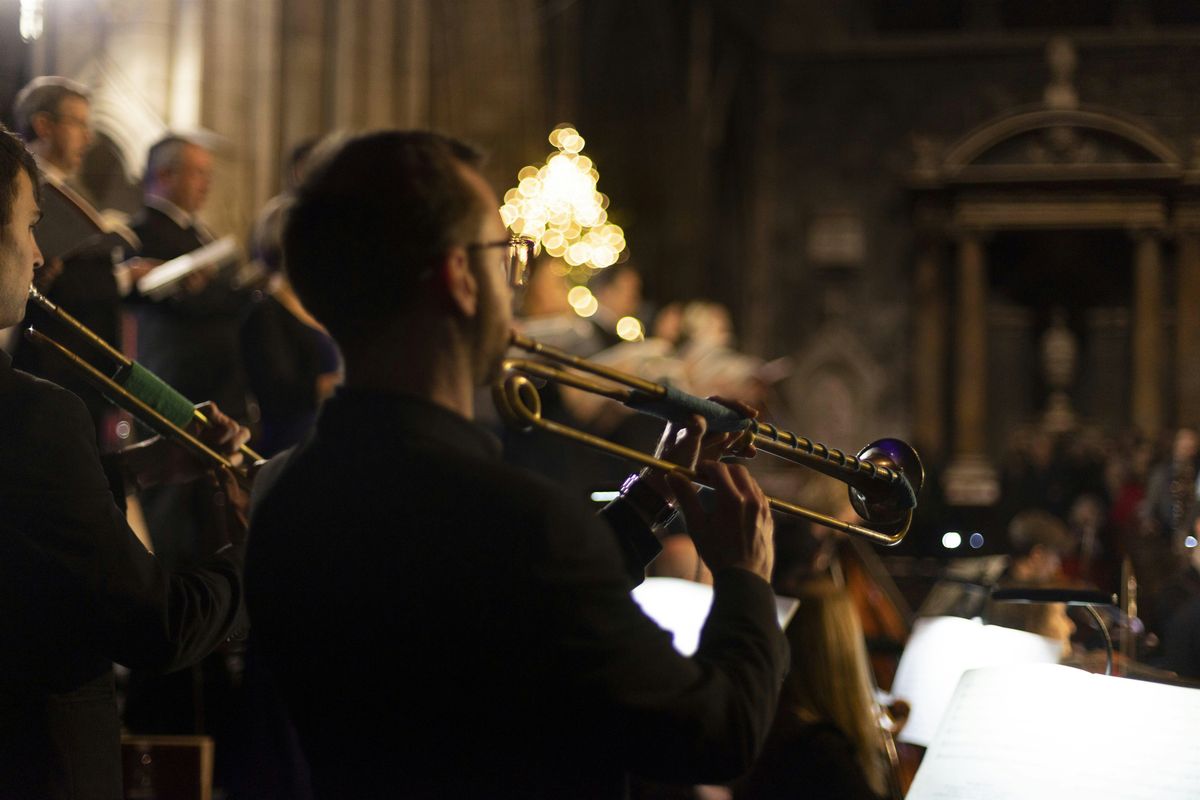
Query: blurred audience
column 1038, row 542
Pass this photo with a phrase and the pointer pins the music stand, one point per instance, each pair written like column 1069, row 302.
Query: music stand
column 1086, row 598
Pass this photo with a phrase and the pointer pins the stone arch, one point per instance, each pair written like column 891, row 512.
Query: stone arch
column 835, row 387
column 1143, row 144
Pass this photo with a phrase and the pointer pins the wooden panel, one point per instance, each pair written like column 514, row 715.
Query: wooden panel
column 167, row 767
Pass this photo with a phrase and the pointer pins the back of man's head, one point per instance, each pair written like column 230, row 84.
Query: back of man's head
column 13, row 158
column 43, row 95
column 372, row 216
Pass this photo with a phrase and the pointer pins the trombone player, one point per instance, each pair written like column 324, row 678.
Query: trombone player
column 439, row 624
column 77, row 589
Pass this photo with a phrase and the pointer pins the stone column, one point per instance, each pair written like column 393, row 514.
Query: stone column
column 1187, row 325
column 412, row 63
column 970, row 362
column 970, row 480
column 929, row 352
column 346, row 40
column 304, row 85
column 1148, row 339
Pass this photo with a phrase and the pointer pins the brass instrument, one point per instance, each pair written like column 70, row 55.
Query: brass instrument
column 883, row 478
column 137, row 390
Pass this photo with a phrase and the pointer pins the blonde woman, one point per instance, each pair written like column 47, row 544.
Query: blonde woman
column 826, row 741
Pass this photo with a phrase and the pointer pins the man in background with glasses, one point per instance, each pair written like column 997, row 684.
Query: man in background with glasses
column 440, row 624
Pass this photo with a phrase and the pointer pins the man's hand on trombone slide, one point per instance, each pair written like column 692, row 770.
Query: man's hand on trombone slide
column 738, row 531
column 159, row 460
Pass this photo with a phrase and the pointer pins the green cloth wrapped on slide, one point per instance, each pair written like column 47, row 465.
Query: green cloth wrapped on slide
column 154, row 392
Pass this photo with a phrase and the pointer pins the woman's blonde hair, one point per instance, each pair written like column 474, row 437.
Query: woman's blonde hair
column 830, row 679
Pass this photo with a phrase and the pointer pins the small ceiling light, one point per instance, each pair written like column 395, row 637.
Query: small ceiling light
column 32, row 15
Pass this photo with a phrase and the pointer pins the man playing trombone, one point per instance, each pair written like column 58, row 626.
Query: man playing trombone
column 77, row 589
column 439, row 624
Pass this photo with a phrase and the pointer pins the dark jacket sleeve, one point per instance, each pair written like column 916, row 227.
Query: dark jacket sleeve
column 701, row 719
column 132, row 610
column 637, row 543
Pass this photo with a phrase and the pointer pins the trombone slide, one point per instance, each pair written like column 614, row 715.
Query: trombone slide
column 883, row 478
column 131, row 378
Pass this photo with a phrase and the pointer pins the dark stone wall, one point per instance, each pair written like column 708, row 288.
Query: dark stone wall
column 810, row 108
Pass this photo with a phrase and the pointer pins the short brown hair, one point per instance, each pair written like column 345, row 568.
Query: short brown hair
column 372, row 214
column 13, row 158
column 43, row 95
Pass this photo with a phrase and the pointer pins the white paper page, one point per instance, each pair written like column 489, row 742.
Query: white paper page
column 161, row 281
column 940, row 650
column 681, row 607
column 1046, row 732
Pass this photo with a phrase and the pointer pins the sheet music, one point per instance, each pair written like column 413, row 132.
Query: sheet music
column 940, row 650
column 163, row 280
column 1026, row 732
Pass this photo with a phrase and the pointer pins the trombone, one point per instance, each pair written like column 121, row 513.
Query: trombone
column 883, row 478
column 137, row 390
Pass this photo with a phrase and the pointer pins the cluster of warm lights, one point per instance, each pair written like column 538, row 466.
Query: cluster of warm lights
column 558, row 206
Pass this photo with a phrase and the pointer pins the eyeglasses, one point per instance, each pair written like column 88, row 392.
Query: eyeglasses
column 517, row 257
column 75, row 122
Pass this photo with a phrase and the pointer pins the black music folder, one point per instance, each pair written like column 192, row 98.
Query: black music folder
column 69, row 228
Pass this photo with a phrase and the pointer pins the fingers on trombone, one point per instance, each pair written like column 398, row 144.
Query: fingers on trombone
column 686, row 496
column 739, row 444
column 736, row 405
column 719, row 476
column 754, row 501
column 224, row 433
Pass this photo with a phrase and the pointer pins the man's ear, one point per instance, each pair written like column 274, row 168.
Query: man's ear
column 458, row 281
column 41, row 123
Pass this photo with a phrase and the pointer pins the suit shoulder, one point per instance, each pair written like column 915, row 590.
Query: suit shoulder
column 25, row 391
column 48, row 436
column 521, row 489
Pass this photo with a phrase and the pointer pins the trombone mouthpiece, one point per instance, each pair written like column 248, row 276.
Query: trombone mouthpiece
column 41, row 299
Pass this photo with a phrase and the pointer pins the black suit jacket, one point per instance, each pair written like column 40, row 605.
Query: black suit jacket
column 191, row 340
column 77, row 592
column 444, row 625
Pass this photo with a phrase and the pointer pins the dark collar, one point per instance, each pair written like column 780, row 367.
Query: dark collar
column 7, row 373
column 390, row 417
